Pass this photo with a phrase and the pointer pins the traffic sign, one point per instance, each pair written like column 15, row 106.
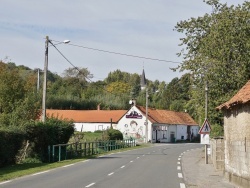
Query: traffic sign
column 206, row 128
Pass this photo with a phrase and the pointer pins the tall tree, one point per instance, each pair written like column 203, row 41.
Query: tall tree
column 216, row 51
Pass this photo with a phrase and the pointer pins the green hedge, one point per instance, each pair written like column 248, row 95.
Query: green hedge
column 52, row 132
column 11, row 140
column 115, row 134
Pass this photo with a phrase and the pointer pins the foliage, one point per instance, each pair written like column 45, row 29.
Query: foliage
column 11, row 141
column 216, row 51
column 114, row 134
column 216, row 131
column 18, row 103
column 118, row 88
column 53, row 131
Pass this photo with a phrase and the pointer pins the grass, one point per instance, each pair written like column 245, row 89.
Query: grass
column 19, row 170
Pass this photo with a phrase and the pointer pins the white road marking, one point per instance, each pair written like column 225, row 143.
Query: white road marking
column 68, row 165
column 90, row 185
column 178, row 162
column 40, row 173
column 180, row 175
column 182, row 185
column 179, row 159
column 111, row 174
column 123, row 166
column 86, row 161
column 180, row 156
column 4, row 182
column 137, row 157
column 178, row 168
column 131, row 161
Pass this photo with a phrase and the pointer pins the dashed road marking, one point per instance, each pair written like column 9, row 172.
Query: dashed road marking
column 178, row 168
column 110, row 173
column 90, row 185
column 123, row 166
column 178, row 162
column 182, row 185
column 180, row 175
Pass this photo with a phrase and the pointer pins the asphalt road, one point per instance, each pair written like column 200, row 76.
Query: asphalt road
column 153, row 167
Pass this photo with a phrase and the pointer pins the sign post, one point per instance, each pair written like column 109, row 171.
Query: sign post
column 204, row 132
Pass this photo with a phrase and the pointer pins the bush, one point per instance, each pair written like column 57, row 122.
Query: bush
column 114, row 134
column 11, row 140
column 217, row 130
column 52, row 132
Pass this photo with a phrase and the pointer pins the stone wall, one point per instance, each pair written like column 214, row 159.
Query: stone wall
column 217, row 153
column 237, row 144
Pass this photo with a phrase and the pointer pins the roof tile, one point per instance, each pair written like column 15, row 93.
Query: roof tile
column 243, row 96
column 168, row 117
column 93, row 116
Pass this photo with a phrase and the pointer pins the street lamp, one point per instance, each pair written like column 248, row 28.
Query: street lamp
column 47, row 41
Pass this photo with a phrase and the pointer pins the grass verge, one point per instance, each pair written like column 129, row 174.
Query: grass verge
column 19, row 170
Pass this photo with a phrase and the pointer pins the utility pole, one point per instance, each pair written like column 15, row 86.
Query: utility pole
column 45, row 80
column 206, row 91
column 38, row 79
column 146, row 115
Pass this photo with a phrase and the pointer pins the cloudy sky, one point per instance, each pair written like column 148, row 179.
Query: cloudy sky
column 135, row 27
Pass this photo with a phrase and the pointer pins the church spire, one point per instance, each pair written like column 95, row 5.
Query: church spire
column 143, row 80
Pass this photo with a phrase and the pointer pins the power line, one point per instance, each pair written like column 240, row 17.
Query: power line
column 77, row 67
column 118, row 53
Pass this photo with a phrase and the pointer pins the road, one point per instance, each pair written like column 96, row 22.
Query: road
column 154, row 167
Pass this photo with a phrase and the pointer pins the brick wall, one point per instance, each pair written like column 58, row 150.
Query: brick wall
column 237, row 144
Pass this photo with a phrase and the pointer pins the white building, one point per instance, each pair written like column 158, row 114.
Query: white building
column 163, row 125
column 89, row 120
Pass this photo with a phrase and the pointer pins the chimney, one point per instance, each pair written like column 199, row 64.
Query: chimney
column 99, row 106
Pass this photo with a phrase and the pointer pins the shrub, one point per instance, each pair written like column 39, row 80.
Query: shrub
column 217, row 130
column 114, row 134
column 52, row 132
column 11, row 141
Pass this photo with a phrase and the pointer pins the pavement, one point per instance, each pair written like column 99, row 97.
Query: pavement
column 197, row 174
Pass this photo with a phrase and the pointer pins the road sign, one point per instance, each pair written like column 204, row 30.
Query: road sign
column 204, row 139
column 206, row 128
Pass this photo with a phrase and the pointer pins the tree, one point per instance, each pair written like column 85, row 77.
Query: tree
column 216, row 51
column 18, row 101
column 118, row 88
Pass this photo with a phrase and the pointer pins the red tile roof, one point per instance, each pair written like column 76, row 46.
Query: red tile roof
column 168, row 117
column 242, row 97
column 88, row 116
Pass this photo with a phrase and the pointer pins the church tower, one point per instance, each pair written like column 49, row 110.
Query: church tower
column 143, row 80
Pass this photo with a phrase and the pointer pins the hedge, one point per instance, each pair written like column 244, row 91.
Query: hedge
column 11, row 140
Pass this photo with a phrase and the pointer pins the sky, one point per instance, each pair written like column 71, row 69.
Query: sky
column 143, row 28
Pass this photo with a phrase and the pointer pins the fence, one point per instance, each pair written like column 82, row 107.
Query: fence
column 61, row 152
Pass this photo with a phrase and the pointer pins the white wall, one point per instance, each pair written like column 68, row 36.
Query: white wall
column 134, row 127
column 195, row 129
column 92, row 127
column 181, row 132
